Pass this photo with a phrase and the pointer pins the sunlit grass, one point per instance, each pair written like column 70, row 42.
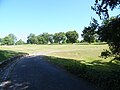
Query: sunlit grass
column 81, row 60
column 77, row 52
column 81, row 52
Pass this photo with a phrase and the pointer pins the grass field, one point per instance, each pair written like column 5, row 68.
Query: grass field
column 77, row 52
column 68, row 51
column 81, row 60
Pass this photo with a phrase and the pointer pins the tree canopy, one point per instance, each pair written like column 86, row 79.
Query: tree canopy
column 101, row 7
column 89, row 33
column 9, row 40
column 32, row 39
column 109, row 31
column 20, row 42
column 59, row 37
column 72, row 36
column 44, row 38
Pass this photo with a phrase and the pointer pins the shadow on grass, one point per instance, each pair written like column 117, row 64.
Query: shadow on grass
column 5, row 54
column 103, row 74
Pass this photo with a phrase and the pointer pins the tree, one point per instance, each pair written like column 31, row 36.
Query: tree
column 88, row 35
column 41, row 39
column 101, row 7
column 20, row 42
column 46, row 37
column 109, row 31
column 55, row 37
column 9, row 40
column 32, row 39
column 59, row 37
column 72, row 36
column 13, row 38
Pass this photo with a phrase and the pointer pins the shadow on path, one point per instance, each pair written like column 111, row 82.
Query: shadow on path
column 36, row 73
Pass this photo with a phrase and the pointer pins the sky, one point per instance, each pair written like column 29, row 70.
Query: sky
column 22, row 17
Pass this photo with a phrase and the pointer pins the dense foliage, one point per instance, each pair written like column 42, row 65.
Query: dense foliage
column 9, row 40
column 59, row 37
column 44, row 38
column 32, row 39
column 89, row 33
column 109, row 32
column 72, row 36
column 20, row 42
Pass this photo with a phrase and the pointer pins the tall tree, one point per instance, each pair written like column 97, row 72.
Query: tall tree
column 72, row 36
column 13, row 38
column 89, row 33
column 32, row 39
column 59, row 37
column 46, row 37
column 41, row 39
column 55, row 37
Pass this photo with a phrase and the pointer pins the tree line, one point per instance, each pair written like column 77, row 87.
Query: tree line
column 44, row 38
column 11, row 39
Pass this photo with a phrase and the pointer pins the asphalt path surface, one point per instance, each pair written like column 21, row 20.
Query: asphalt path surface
column 35, row 73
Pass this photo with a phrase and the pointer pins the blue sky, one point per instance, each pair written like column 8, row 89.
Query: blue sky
column 22, row 17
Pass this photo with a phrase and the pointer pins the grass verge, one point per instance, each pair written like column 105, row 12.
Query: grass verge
column 6, row 57
column 104, row 74
column 5, row 54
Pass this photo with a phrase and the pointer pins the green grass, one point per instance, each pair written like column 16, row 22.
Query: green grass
column 47, row 48
column 81, row 60
column 5, row 54
column 103, row 74
column 81, row 52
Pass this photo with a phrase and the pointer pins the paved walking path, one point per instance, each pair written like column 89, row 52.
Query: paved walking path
column 35, row 73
